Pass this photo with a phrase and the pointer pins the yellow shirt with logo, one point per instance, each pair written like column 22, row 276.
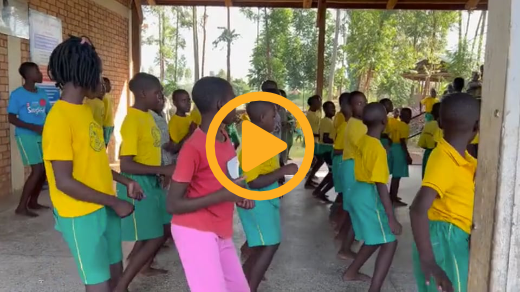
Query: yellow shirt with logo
column 141, row 138
column 452, row 176
column 314, row 119
column 354, row 130
column 427, row 140
column 400, row 130
column 339, row 118
column 475, row 140
column 195, row 116
column 339, row 141
column 428, row 103
column 266, row 167
column 389, row 125
column 72, row 134
column 370, row 161
column 326, row 126
column 179, row 127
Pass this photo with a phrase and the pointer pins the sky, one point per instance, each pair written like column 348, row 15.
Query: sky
column 243, row 46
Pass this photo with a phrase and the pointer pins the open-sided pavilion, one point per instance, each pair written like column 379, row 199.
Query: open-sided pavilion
column 495, row 243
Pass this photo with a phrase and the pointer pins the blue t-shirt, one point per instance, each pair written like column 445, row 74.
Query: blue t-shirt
column 30, row 107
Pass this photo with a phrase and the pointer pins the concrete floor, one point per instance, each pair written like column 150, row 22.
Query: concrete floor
column 33, row 257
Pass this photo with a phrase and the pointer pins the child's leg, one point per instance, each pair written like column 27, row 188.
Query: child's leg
column 29, row 189
column 312, row 173
column 394, row 189
column 231, row 267
column 383, row 262
column 348, row 237
column 202, row 262
column 33, row 201
column 352, row 273
column 259, row 263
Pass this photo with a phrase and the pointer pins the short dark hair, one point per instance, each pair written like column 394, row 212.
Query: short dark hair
column 436, row 110
column 374, row 113
column 328, row 103
column 179, row 92
column 141, row 81
column 407, row 110
column 75, row 60
column 459, row 111
column 283, row 93
column 458, row 84
column 385, row 101
column 354, row 94
column 25, row 67
column 310, row 99
column 208, row 90
column 273, row 90
column 256, row 109
column 269, row 84
column 344, row 97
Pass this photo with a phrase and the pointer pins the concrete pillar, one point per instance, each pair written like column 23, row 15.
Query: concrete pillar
column 14, row 51
column 495, row 244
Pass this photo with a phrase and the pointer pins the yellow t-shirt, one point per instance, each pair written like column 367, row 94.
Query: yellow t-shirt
column 314, row 119
column 438, row 135
column 195, row 116
column 400, row 130
column 266, row 167
column 453, row 178
column 298, row 126
column 326, row 126
column 141, row 138
column 370, row 161
column 428, row 103
column 389, row 125
column 427, row 138
column 101, row 110
column 339, row 141
column 72, row 134
column 245, row 117
column 339, row 118
column 354, row 130
column 108, row 120
column 475, row 140
column 179, row 127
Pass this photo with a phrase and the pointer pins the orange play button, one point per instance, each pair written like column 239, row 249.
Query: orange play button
column 258, row 146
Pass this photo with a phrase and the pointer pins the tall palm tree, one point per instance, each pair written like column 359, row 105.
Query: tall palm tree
column 227, row 36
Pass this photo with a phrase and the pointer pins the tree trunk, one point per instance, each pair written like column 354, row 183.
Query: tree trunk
column 268, row 44
column 334, row 54
column 474, row 42
column 195, row 44
column 204, row 22
column 162, row 62
column 258, row 25
column 460, row 32
column 176, row 45
column 229, row 45
column 467, row 27
column 481, row 37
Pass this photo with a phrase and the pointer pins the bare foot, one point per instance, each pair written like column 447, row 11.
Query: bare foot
column 25, row 212
column 36, row 206
column 149, row 271
column 356, row 277
column 348, row 255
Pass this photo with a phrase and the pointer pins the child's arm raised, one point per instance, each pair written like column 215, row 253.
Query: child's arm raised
column 265, row 180
column 66, row 183
column 395, row 226
column 421, row 233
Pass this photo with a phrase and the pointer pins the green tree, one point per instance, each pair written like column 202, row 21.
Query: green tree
column 228, row 36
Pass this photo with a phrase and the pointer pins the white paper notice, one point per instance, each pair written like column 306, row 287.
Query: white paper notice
column 232, row 166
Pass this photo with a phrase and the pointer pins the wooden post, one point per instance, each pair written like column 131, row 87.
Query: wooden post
column 136, row 37
column 495, row 242
column 322, row 16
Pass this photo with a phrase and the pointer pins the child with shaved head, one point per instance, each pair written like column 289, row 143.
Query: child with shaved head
column 372, row 214
column 442, row 212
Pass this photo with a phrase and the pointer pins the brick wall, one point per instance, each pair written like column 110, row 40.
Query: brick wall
column 109, row 33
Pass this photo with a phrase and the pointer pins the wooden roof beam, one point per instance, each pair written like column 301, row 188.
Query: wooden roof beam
column 150, row 2
column 391, row 4
column 472, row 4
column 228, row 3
column 307, row 3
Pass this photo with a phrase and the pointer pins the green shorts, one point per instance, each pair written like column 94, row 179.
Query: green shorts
column 369, row 219
column 149, row 216
column 337, row 160
column 398, row 165
column 107, row 134
column 30, row 147
column 95, row 242
column 451, row 250
column 262, row 223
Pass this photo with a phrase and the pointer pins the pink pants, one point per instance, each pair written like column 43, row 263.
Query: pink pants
column 210, row 262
